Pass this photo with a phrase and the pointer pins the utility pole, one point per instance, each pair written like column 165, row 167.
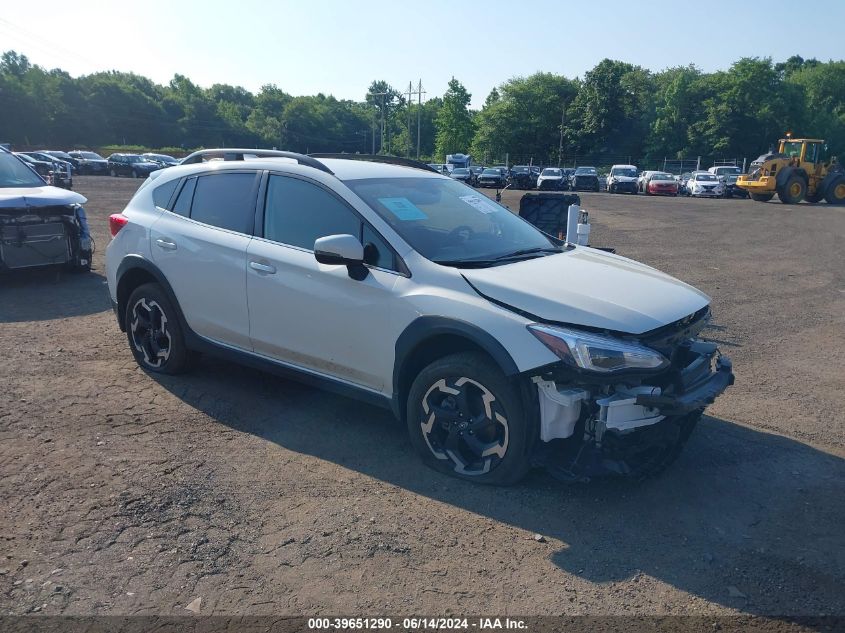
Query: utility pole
column 562, row 122
column 411, row 92
column 420, row 93
column 382, row 95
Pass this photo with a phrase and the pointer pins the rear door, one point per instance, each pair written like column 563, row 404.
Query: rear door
column 312, row 315
column 200, row 246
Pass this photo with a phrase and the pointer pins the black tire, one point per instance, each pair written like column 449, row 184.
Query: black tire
column 134, row 174
column 762, row 197
column 793, row 190
column 154, row 333
column 835, row 193
column 455, row 401
column 112, row 173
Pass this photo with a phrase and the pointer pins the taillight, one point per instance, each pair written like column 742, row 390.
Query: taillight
column 116, row 222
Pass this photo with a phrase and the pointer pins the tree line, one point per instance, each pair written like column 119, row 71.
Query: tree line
column 617, row 109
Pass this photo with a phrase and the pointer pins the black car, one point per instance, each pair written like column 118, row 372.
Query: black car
column 41, row 167
column 162, row 159
column 492, row 177
column 731, row 190
column 133, row 165
column 477, row 170
column 89, row 163
column 523, row 177
column 584, row 179
column 62, row 170
column 463, row 174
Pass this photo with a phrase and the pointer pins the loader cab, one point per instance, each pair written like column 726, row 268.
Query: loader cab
column 811, row 151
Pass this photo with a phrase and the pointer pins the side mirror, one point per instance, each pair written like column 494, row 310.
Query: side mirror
column 339, row 250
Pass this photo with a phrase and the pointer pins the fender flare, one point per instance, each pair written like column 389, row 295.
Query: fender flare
column 787, row 172
column 428, row 327
column 136, row 262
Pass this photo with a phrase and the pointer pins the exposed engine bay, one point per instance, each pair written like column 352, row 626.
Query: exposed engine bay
column 630, row 425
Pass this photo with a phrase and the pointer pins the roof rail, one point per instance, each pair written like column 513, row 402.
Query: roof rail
column 378, row 158
column 228, row 154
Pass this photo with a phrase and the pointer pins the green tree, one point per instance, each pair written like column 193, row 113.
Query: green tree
column 454, row 123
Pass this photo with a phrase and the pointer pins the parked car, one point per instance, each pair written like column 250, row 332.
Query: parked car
column 521, row 177
column 40, row 225
column 504, row 170
column 682, row 183
column 551, row 178
column 62, row 170
column 492, row 177
column 61, row 156
column 162, row 159
column 703, row 184
column 89, row 163
column 132, row 165
column 41, row 167
column 622, row 178
column 463, row 174
column 722, row 171
column 731, row 189
column 661, row 184
column 584, row 179
column 499, row 346
column 477, row 171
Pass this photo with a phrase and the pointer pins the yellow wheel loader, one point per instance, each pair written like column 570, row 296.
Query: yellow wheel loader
column 800, row 170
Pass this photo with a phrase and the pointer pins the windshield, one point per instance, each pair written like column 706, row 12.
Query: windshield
column 135, row 159
column 661, row 176
column 585, row 171
column 90, row 155
column 447, row 221
column 520, row 169
column 731, row 179
column 460, row 171
column 707, row 177
column 491, row 172
column 628, row 172
column 13, row 173
column 551, row 172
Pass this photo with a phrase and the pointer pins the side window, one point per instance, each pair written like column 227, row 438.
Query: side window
column 162, row 194
column 376, row 251
column 226, row 201
column 298, row 212
column 810, row 152
column 182, row 206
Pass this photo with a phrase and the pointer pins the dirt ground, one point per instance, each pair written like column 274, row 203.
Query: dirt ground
column 124, row 493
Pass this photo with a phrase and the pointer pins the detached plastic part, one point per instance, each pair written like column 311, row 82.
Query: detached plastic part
column 622, row 413
column 559, row 409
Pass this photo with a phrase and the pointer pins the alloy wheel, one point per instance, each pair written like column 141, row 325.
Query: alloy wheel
column 149, row 331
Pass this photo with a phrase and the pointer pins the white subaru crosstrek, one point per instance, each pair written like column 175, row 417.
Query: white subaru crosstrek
column 499, row 346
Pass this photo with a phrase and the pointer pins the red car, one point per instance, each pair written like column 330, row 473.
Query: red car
column 661, row 184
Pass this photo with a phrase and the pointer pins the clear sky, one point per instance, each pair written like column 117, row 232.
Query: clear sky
column 339, row 46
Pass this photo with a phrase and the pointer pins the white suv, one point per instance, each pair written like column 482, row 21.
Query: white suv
column 499, row 346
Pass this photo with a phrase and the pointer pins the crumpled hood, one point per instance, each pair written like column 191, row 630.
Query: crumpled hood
column 590, row 288
column 46, row 196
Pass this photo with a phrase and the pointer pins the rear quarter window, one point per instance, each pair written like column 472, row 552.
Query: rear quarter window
column 163, row 193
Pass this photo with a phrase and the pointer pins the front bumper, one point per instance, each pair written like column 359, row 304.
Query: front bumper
column 763, row 184
column 696, row 396
column 623, row 186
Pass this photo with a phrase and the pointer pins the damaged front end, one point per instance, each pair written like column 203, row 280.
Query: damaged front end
column 33, row 236
column 624, row 405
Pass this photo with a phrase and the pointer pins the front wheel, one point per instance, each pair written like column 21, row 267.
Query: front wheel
column 155, row 335
column 467, row 420
column 793, row 191
column 134, row 174
column 112, row 173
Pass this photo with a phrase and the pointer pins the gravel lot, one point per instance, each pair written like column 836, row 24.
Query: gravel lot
column 124, row 493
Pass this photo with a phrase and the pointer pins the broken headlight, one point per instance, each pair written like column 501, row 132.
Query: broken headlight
column 596, row 353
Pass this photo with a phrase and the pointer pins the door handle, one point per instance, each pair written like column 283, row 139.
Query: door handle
column 166, row 244
column 263, row 268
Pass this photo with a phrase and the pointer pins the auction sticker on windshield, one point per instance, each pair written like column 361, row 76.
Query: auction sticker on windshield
column 403, row 209
column 480, row 203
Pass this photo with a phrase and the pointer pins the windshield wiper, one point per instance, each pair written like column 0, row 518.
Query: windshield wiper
column 527, row 251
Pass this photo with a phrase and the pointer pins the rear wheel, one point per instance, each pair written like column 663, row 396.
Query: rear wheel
column 793, row 191
column 762, row 197
column 836, row 191
column 112, row 172
column 467, row 420
column 134, row 174
column 155, row 336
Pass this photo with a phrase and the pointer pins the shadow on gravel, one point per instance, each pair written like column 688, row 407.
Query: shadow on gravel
column 51, row 293
column 746, row 519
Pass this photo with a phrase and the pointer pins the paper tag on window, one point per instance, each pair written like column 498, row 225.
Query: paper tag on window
column 481, row 203
column 403, row 208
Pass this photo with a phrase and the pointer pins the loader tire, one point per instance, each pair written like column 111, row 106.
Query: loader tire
column 835, row 193
column 793, row 191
